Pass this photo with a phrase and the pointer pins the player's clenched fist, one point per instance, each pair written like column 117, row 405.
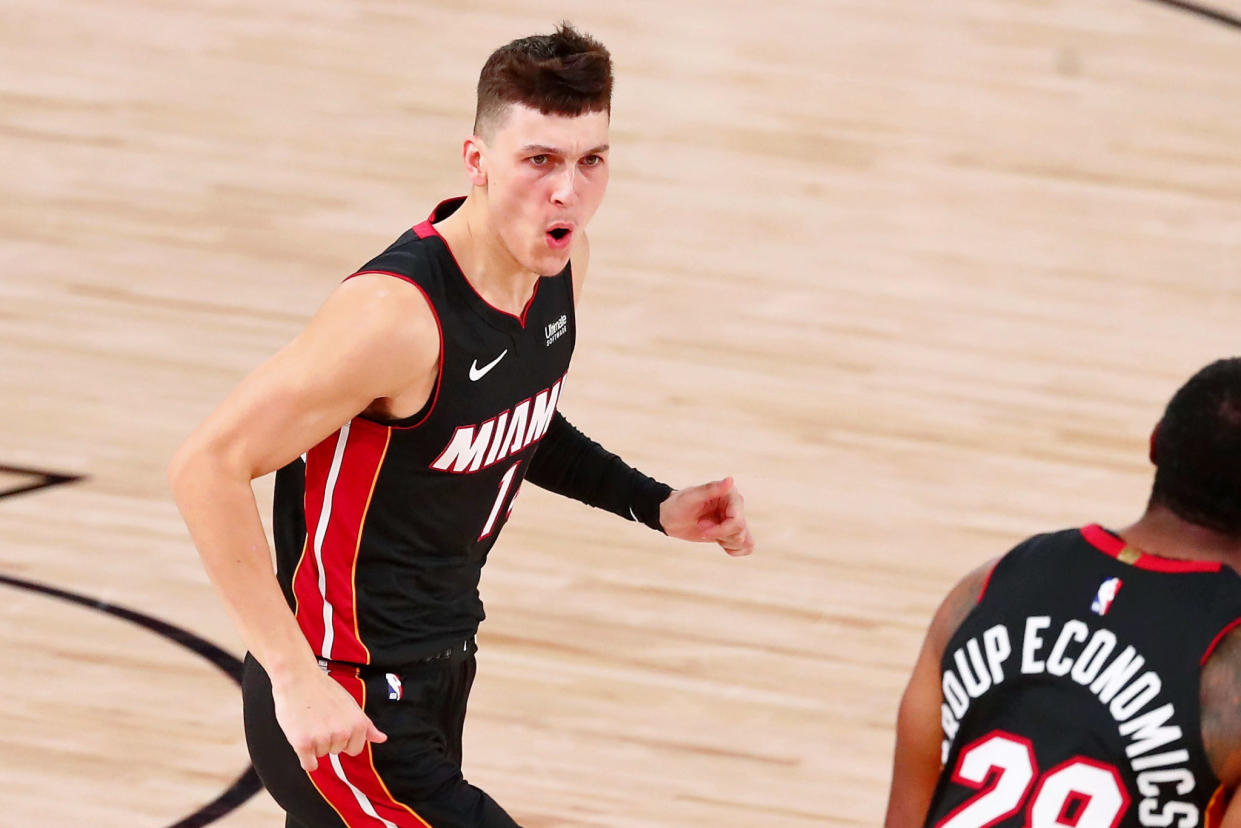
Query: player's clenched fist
column 711, row 513
column 319, row 717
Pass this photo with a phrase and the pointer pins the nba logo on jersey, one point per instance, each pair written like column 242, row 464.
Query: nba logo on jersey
column 1106, row 595
column 394, row 686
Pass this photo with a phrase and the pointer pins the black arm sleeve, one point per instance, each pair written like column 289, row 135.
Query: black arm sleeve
column 569, row 463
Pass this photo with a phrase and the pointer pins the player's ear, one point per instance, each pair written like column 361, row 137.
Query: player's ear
column 1155, row 439
column 474, row 154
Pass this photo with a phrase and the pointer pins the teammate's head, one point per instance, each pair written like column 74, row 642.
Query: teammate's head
column 1196, row 449
column 564, row 73
column 538, row 156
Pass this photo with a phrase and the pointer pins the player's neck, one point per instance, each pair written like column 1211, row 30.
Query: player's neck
column 1160, row 532
column 484, row 260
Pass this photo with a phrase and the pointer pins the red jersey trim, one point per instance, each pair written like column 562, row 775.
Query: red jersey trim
column 439, row 327
column 308, row 601
column 315, row 780
column 364, row 454
column 1109, row 544
column 352, row 785
column 325, row 587
column 426, row 229
column 357, row 551
column 1215, row 808
column 1229, row 627
column 297, row 568
column 986, row 582
column 529, row 303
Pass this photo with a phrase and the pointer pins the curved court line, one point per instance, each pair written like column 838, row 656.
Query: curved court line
column 1216, row 15
column 246, row 785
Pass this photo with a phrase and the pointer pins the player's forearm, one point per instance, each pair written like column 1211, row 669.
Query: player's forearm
column 569, row 463
column 911, row 791
column 915, row 763
column 913, row 784
column 220, row 511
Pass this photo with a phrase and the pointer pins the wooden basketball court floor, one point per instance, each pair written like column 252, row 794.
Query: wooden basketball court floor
column 920, row 275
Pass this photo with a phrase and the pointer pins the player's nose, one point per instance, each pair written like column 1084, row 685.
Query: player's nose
column 564, row 191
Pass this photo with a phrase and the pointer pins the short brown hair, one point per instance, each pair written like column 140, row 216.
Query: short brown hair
column 564, row 73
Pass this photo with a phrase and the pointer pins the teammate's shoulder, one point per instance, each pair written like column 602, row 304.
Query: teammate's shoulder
column 960, row 601
column 1030, row 561
column 1219, row 689
column 1047, row 543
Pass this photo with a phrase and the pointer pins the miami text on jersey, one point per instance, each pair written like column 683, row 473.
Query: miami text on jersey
column 1155, row 749
column 474, row 447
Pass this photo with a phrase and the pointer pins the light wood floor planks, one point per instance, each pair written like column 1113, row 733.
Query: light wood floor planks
column 920, row 275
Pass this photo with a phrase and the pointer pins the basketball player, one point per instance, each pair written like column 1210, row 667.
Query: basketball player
column 420, row 396
column 1092, row 678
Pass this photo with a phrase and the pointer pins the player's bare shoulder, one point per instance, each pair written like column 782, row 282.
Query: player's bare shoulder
column 957, row 604
column 580, row 262
column 387, row 330
column 1221, row 699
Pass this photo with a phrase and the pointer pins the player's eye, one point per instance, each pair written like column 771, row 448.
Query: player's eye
column 592, row 160
column 539, row 160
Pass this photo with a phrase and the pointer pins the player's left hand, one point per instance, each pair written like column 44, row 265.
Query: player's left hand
column 711, row 513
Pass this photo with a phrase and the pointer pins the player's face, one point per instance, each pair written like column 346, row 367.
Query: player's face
column 546, row 175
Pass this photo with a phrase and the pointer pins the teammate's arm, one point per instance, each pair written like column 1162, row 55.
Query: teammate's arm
column 1221, row 721
column 374, row 341
column 1232, row 816
column 569, row 463
column 916, row 762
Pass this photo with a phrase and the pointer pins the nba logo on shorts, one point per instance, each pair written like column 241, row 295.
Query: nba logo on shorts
column 1106, row 595
column 394, row 686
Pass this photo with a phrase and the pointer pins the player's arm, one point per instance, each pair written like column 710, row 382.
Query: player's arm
column 373, row 339
column 569, row 463
column 916, row 762
column 1232, row 816
column 1221, row 723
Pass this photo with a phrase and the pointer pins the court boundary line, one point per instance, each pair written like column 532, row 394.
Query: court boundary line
column 45, row 479
column 244, row 786
column 1215, row 15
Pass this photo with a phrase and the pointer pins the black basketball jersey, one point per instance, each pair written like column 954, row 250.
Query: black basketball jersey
column 1071, row 691
column 382, row 531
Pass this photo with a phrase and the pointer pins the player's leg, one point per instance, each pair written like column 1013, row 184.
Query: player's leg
column 413, row 780
column 274, row 759
column 430, row 715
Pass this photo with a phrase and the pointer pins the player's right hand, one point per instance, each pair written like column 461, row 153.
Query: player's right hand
column 319, row 718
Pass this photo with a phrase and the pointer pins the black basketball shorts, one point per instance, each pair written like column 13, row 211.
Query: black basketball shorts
column 413, row 780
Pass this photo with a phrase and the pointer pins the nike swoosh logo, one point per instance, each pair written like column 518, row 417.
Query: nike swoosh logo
column 477, row 373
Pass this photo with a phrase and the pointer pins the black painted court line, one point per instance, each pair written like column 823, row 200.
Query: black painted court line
column 41, row 480
column 1203, row 11
column 246, row 785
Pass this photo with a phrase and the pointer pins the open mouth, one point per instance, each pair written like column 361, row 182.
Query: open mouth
column 559, row 236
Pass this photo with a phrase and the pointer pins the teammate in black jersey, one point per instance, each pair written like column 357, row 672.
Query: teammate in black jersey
column 1092, row 678
column 402, row 422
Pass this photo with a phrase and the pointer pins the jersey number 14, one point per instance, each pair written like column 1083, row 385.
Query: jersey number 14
column 505, row 484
